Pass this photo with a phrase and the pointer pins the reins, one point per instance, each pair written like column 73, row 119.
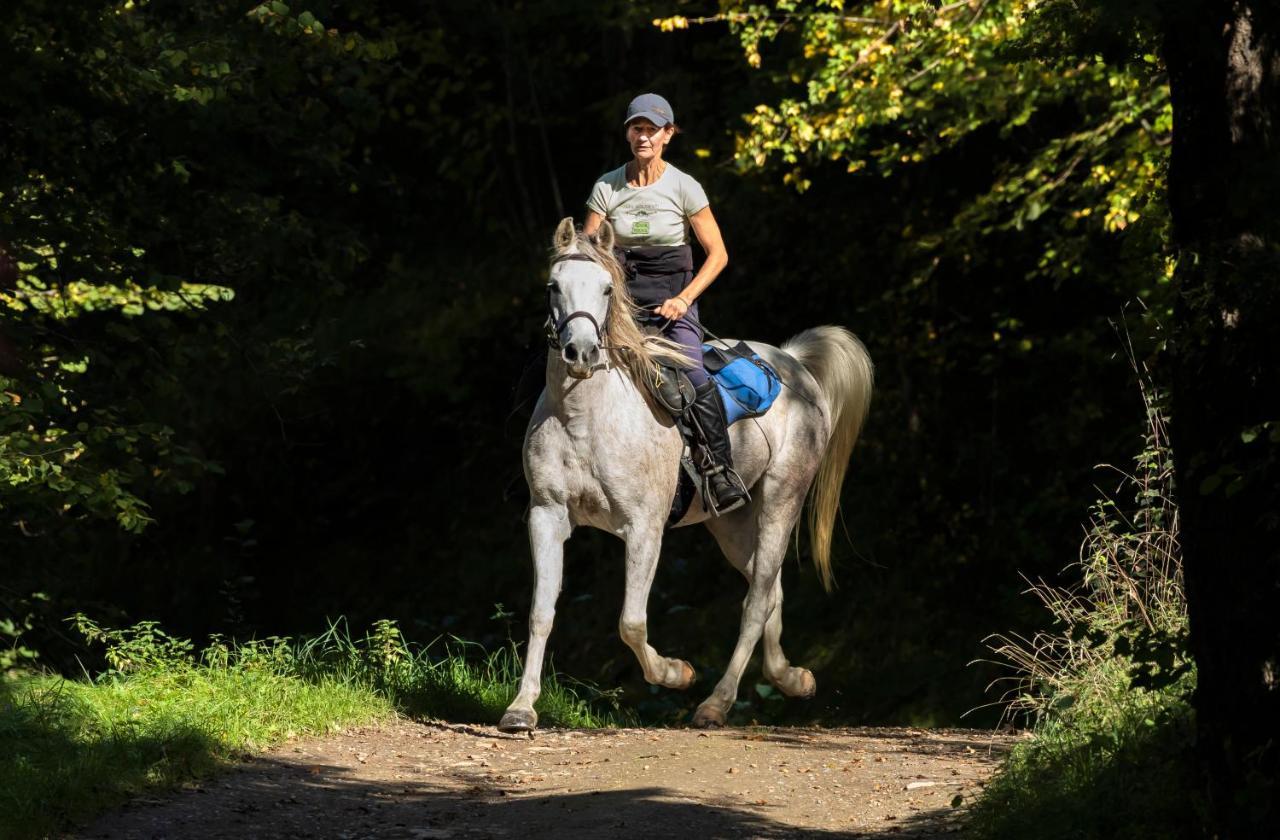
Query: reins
column 555, row 328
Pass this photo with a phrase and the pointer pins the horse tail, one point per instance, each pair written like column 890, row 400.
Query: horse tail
column 845, row 375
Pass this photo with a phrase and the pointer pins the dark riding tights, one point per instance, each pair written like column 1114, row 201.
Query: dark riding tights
column 688, row 336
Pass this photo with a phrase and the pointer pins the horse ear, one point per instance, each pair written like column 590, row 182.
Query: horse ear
column 565, row 234
column 603, row 236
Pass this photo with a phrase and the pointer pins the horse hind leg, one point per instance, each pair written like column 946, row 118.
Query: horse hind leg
column 737, row 541
column 790, row 680
column 761, row 563
column 642, row 562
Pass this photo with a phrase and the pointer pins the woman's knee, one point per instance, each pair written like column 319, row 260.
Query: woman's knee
column 690, row 340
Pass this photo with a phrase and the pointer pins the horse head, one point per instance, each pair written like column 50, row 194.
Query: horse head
column 580, row 291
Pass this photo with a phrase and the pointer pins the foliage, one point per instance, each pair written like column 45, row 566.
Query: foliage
column 886, row 85
column 111, row 254
column 18, row 617
column 1108, row 689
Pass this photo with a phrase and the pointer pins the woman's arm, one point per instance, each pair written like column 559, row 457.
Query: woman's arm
column 708, row 233
column 592, row 223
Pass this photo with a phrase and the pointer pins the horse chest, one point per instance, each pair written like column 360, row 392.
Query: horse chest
column 562, row 464
column 590, row 467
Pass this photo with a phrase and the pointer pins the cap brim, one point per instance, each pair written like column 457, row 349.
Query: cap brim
column 656, row 119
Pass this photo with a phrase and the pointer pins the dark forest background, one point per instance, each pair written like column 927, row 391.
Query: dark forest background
column 272, row 324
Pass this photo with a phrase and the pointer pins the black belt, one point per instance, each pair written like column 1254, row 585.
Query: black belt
column 655, row 260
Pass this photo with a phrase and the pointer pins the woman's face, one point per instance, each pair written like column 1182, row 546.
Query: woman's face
column 647, row 141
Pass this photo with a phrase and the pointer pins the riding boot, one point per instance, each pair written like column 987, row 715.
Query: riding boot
column 722, row 488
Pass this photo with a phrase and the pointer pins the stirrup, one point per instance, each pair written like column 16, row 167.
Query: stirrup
column 709, row 499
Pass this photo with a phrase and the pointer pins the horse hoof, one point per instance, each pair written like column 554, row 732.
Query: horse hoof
column 796, row 682
column 516, row 721
column 805, row 685
column 688, row 676
column 708, row 717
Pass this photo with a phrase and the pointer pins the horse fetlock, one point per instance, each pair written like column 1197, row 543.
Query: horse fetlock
column 518, row 720
column 680, row 675
column 795, row 682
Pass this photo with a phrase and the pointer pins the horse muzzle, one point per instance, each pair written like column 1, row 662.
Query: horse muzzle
column 581, row 358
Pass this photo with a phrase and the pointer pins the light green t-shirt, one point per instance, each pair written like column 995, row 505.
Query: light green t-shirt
column 657, row 214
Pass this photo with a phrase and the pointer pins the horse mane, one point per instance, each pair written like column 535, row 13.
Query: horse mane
column 637, row 352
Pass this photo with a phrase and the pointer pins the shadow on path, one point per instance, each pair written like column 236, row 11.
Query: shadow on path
column 274, row 799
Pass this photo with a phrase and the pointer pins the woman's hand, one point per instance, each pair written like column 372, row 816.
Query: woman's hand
column 673, row 309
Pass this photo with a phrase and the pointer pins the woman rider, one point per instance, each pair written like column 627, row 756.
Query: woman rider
column 652, row 206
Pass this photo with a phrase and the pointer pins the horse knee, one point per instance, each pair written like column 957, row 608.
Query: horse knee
column 633, row 631
column 540, row 624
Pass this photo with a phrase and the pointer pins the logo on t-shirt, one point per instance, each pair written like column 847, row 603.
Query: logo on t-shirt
column 640, row 228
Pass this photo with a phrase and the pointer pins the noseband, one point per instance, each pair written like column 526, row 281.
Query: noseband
column 554, row 328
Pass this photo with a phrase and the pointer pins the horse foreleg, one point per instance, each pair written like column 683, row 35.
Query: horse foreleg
column 548, row 529
column 643, row 550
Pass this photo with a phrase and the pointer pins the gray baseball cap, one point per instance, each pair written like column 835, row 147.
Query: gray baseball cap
column 652, row 107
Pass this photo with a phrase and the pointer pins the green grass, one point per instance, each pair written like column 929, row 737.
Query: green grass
column 164, row 714
column 1129, row 777
column 72, row 748
column 455, row 680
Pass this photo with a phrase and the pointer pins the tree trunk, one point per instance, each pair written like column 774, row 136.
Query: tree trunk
column 1224, row 66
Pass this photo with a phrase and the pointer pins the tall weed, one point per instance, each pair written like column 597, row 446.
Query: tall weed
column 1106, row 690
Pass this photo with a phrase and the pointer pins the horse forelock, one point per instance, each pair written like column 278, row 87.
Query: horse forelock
column 635, row 351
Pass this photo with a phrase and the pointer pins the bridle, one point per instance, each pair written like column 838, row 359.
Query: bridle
column 555, row 328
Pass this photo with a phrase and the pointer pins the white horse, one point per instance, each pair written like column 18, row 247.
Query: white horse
column 599, row 452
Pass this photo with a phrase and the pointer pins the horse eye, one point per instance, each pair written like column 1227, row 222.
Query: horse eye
column 553, row 287
column 608, row 290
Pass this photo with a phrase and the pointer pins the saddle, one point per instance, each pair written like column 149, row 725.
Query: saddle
column 748, row 385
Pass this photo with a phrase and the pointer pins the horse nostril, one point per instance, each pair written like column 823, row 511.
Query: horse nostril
column 593, row 357
column 570, row 353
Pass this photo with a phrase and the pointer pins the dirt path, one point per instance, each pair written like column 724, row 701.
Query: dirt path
column 423, row 780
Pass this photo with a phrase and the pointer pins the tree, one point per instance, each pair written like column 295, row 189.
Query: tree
column 1224, row 65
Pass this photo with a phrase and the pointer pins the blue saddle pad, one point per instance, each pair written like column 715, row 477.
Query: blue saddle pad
column 748, row 384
